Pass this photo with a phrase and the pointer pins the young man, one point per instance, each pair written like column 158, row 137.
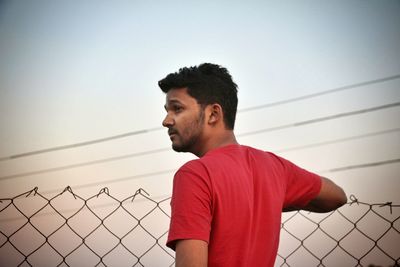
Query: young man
column 227, row 205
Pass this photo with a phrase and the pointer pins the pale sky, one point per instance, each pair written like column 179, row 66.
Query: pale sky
column 78, row 71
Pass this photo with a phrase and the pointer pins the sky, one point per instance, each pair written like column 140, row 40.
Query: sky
column 76, row 72
column 319, row 84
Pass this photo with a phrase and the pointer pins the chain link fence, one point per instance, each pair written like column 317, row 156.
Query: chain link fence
column 68, row 230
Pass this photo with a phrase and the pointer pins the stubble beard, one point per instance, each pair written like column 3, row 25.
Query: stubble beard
column 190, row 135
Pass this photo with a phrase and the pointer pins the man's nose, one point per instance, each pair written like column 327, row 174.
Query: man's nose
column 168, row 121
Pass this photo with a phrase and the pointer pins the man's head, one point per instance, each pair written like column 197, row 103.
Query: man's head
column 208, row 84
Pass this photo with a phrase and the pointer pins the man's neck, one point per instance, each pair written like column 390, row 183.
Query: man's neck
column 220, row 140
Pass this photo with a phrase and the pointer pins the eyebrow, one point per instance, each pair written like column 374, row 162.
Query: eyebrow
column 171, row 102
column 174, row 101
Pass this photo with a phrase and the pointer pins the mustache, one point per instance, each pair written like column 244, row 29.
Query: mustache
column 172, row 131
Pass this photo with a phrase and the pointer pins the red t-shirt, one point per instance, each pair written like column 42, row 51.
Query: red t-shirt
column 232, row 198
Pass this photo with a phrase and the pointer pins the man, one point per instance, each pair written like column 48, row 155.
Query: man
column 226, row 206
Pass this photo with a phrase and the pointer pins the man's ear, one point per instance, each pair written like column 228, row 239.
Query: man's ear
column 215, row 113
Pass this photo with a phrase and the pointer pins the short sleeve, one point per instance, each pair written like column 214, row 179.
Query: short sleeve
column 190, row 204
column 302, row 186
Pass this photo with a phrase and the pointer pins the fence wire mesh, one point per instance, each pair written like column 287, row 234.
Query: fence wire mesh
column 68, row 230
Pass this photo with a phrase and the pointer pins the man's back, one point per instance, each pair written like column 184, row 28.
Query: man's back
column 232, row 198
column 226, row 206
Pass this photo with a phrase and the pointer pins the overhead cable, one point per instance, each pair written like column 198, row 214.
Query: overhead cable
column 320, row 119
column 171, row 171
column 144, row 131
column 165, row 149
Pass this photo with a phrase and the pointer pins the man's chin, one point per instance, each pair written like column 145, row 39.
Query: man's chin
column 178, row 148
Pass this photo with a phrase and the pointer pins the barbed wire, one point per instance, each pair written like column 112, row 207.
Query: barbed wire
column 338, row 242
column 68, row 230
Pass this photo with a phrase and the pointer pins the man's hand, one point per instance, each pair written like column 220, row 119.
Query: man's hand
column 191, row 253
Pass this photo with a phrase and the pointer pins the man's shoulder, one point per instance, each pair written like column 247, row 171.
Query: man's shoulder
column 232, row 150
column 257, row 152
column 219, row 156
column 192, row 166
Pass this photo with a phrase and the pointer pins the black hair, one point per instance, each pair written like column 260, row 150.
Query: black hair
column 208, row 84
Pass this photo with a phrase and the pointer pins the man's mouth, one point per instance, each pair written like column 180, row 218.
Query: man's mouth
column 171, row 133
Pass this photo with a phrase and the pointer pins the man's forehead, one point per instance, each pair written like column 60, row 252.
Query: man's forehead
column 177, row 95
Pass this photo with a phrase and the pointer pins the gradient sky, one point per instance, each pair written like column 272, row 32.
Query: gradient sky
column 77, row 71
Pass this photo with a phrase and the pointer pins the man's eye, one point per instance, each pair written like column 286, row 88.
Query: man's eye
column 178, row 109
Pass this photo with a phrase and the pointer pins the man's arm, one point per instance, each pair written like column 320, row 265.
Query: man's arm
column 330, row 197
column 191, row 253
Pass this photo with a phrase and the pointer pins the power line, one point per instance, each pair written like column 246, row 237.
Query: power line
column 71, row 166
column 339, row 140
column 144, row 131
column 343, row 168
column 363, row 165
column 81, row 144
column 326, row 118
column 343, row 88
column 297, row 124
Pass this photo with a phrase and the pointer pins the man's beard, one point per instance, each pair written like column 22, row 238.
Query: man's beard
column 192, row 133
